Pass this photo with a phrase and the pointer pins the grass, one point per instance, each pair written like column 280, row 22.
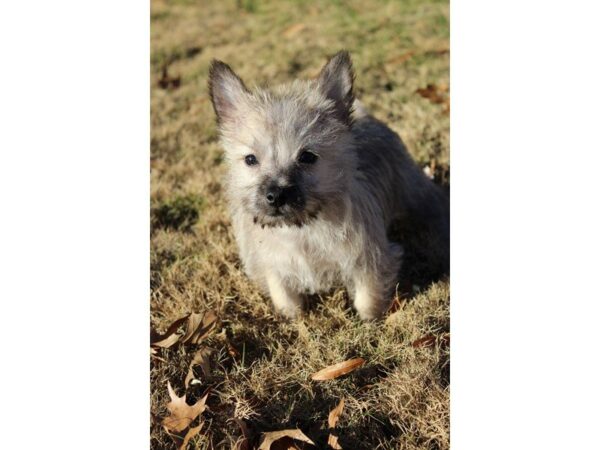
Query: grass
column 262, row 364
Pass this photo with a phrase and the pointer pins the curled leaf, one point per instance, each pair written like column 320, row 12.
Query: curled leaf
column 198, row 326
column 337, row 370
column 334, row 416
column 432, row 93
column 189, row 435
column 335, row 413
column 182, row 414
column 429, row 340
column 182, row 438
column 201, row 358
column 271, row 437
column 169, row 337
column 333, row 442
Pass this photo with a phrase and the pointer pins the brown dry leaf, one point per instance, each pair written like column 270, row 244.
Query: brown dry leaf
column 333, row 442
column 292, row 30
column 338, row 369
column 154, row 354
column 400, row 59
column 201, row 358
column 334, row 416
column 199, row 326
column 432, row 93
column 193, row 323
column 182, row 438
column 233, row 352
column 189, row 435
column 168, row 338
column 335, row 413
column 286, row 443
column 272, row 436
column 429, row 340
column 182, row 414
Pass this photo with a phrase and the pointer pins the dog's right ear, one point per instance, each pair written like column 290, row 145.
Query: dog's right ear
column 226, row 89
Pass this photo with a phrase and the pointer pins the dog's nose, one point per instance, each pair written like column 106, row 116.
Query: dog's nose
column 275, row 196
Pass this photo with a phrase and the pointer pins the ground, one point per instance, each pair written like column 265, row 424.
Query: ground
column 262, row 363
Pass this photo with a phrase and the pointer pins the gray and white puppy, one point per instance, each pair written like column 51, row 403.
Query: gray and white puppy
column 314, row 184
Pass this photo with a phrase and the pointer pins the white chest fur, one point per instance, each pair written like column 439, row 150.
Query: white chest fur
column 312, row 258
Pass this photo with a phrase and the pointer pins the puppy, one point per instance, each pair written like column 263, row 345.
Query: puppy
column 314, row 184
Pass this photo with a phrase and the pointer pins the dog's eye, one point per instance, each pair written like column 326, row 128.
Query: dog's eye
column 251, row 160
column 307, row 157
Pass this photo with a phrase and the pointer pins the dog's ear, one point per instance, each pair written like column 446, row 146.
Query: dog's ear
column 335, row 82
column 226, row 89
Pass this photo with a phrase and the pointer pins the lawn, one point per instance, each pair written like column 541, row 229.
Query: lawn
column 261, row 365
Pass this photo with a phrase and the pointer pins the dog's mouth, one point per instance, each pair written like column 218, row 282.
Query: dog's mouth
column 275, row 213
column 282, row 217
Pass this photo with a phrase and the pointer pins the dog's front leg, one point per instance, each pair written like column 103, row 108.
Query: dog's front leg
column 374, row 285
column 370, row 298
column 286, row 301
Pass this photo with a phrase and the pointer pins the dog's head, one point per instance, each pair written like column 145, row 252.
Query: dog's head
column 288, row 147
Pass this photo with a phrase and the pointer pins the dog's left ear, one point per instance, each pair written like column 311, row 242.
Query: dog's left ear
column 335, row 82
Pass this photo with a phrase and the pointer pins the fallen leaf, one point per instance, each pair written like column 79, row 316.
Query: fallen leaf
column 201, row 358
column 402, row 58
column 232, row 350
column 286, row 443
column 438, row 51
column 333, row 442
column 193, row 323
column 182, row 414
column 189, row 435
column 334, row 414
column 432, row 93
column 169, row 337
column 425, row 341
column 338, row 369
column 183, row 438
column 429, row 340
column 292, row 30
column 272, row 436
column 199, row 327
column 154, row 354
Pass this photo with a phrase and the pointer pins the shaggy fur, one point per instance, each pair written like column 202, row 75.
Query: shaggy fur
column 332, row 226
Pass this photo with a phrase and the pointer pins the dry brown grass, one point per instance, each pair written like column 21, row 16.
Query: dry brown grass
column 400, row 397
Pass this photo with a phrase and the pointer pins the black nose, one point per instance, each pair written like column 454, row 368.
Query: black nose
column 275, row 196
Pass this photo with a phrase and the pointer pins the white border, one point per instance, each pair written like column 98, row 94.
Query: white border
column 74, row 239
column 524, row 149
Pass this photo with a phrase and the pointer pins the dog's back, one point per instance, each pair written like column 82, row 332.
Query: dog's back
column 408, row 199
